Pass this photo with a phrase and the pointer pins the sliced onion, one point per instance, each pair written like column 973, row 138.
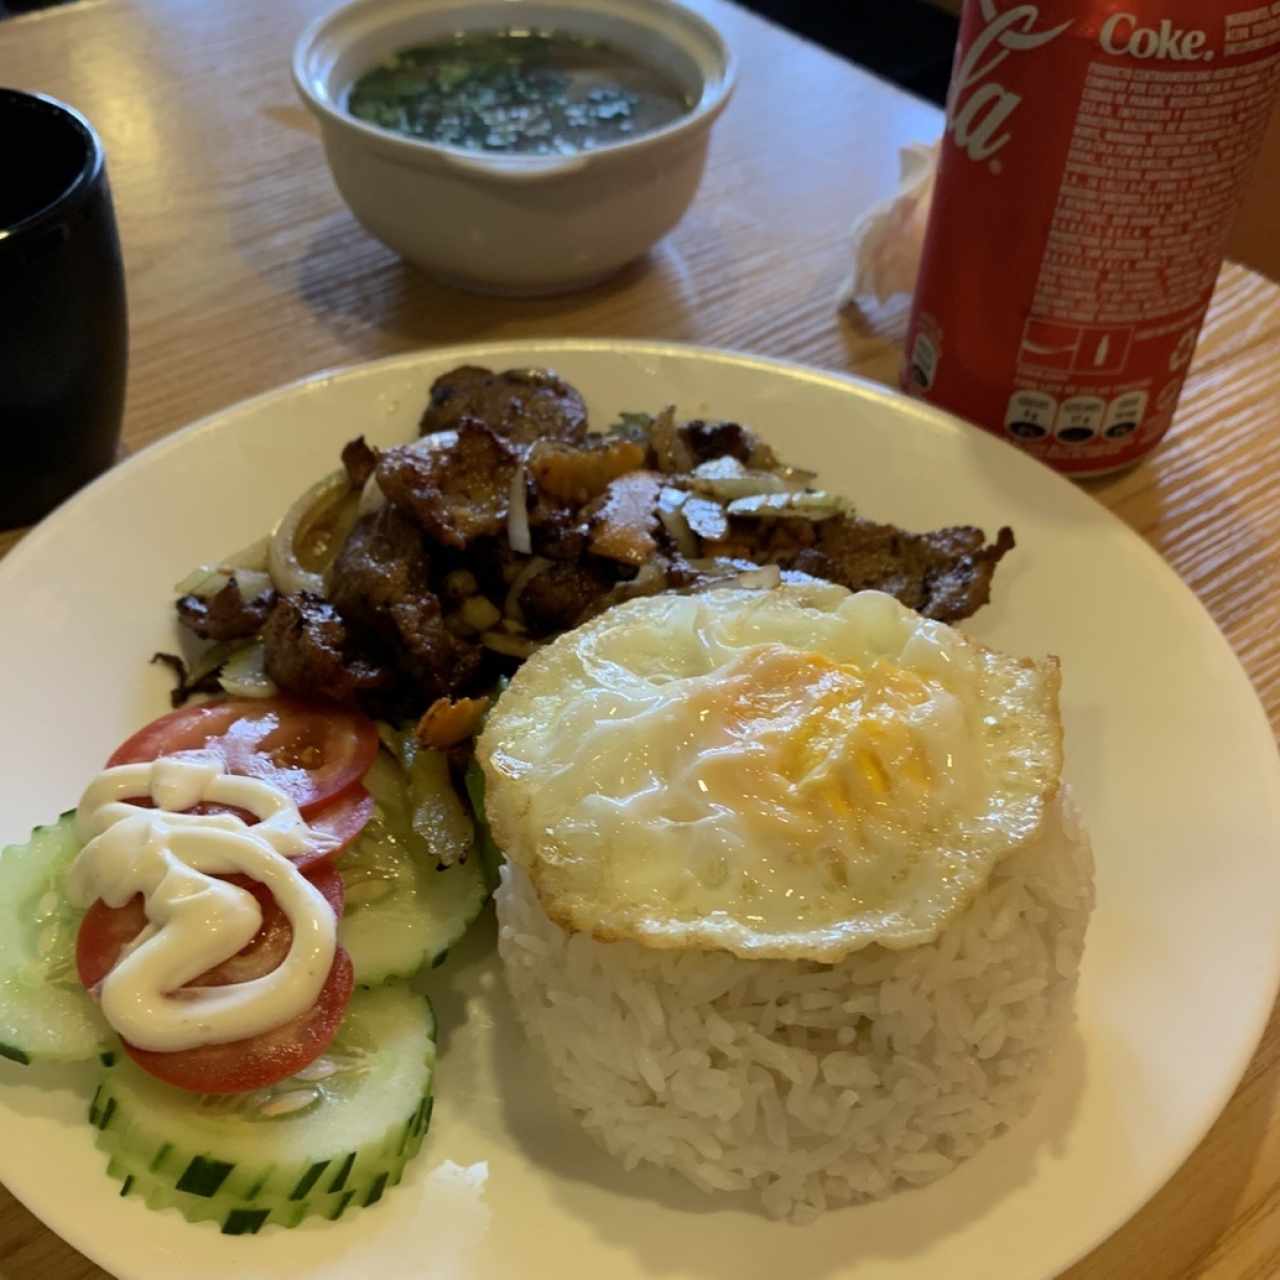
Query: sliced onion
column 372, row 499
column 673, row 521
column 244, row 674
column 282, row 560
column 651, row 580
column 723, row 564
column 510, row 646
column 795, row 477
column 765, row 578
column 438, row 814
column 209, row 660
column 479, row 613
column 392, row 739
column 726, row 478
column 254, row 556
column 209, row 579
column 808, row 504
column 252, row 584
column 706, row 517
column 204, row 582
column 518, row 533
column 721, row 571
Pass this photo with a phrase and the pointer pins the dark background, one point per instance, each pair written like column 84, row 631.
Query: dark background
column 910, row 42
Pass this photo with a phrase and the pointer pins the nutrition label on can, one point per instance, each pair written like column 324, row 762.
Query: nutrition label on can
column 1095, row 155
column 1252, row 30
column 1148, row 193
column 1151, row 185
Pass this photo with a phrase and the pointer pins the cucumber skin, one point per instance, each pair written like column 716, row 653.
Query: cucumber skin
column 72, row 1029
column 491, row 857
column 242, row 1216
column 201, row 1188
column 243, row 1199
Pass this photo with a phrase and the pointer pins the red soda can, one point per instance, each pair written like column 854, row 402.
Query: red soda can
column 1095, row 155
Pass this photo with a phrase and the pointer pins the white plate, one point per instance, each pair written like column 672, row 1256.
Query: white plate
column 1170, row 753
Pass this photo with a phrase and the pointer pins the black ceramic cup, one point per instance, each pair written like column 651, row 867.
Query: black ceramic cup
column 63, row 329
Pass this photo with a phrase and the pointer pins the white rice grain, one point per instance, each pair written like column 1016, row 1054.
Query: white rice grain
column 815, row 1085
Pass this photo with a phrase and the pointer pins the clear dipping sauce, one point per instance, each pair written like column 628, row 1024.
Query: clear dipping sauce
column 519, row 93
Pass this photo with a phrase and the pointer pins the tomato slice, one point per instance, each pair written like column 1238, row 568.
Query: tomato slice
column 241, row 1065
column 313, row 755
column 342, row 819
column 105, row 932
column 260, row 1060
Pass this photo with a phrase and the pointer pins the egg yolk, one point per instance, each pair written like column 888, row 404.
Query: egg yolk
column 842, row 739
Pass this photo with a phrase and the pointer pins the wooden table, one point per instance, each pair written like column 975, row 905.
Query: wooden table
column 245, row 270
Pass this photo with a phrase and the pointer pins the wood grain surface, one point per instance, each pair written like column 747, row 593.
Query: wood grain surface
column 245, row 270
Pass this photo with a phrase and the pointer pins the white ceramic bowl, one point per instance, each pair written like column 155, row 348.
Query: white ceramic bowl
column 519, row 225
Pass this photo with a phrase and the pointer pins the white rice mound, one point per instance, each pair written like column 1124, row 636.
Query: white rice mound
column 815, row 1085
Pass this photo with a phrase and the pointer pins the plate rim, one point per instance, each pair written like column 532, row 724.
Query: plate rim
column 924, row 415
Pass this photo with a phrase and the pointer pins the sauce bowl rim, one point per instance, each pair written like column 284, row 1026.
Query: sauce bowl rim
column 312, row 73
column 79, row 188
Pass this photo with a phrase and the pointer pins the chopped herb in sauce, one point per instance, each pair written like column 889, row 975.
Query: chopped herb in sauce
column 517, row 92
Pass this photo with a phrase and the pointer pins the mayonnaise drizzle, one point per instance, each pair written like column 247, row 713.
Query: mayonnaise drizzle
column 194, row 920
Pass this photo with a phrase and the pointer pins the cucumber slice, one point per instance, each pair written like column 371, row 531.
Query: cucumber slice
column 330, row 1139
column 491, row 857
column 401, row 912
column 45, row 1014
column 246, row 1217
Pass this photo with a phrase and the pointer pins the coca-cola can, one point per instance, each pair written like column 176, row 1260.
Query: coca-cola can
column 1094, row 159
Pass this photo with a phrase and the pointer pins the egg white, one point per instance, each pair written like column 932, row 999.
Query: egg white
column 795, row 773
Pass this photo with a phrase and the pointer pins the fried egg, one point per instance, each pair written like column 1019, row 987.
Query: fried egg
column 792, row 773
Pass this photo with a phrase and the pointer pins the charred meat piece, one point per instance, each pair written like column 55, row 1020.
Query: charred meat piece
column 763, row 541
column 307, row 652
column 561, row 596
column 438, row 661
column 945, row 574
column 960, row 585
column 226, row 615
column 522, row 405
column 429, row 592
column 383, row 561
column 360, row 461
column 676, row 448
column 380, row 584
column 457, row 490
column 624, row 518
column 558, row 529
column 707, row 441
column 558, row 533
